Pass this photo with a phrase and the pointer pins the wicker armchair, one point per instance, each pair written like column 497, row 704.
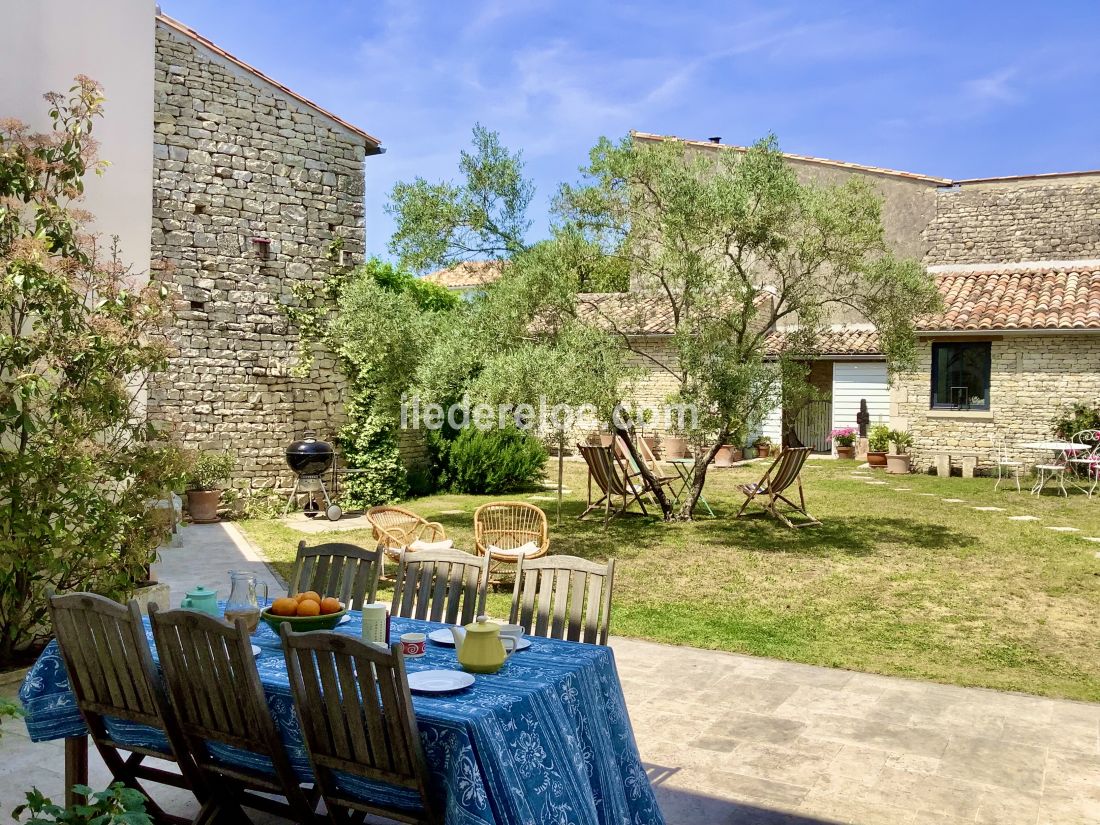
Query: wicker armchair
column 396, row 529
column 508, row 530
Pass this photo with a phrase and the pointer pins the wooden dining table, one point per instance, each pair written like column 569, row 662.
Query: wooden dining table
column 545, row 739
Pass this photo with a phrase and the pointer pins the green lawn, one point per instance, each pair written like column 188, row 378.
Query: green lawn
column 892, row 582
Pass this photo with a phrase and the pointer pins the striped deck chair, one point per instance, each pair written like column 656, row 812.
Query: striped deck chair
column 614, row 479
column 650, row 460
column 785, row 471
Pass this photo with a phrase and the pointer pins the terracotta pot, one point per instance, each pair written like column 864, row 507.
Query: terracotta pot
column 897, row 464
column 763, row 450
column 606, row 439
column 203, row 505
column 726, row 456
column 845, row 452
column 651, row 442
column 876, row 458
column 674, row 446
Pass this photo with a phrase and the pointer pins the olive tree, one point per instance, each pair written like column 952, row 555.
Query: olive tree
column 729, row 246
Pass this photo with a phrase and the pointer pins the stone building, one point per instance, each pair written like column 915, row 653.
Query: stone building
column 251, row 184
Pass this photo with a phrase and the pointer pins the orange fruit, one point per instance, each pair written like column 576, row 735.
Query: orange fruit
column 284, row 607
column 309, row 595
column 308, row 607
column 330, row 605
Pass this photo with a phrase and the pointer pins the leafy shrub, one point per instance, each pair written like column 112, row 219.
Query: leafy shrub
column 118, row 805
column 494, row 461
column 209, row 470
column 878, row 438
column 369, row 444
column 79, row 464
column 9, row 710
column 1075, row 418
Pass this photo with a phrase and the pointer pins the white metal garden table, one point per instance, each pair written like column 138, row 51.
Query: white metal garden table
column 1063, row 452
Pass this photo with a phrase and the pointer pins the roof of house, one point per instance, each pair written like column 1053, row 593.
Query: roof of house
column 175, row 25
column 836, row 341
column 1039, row 295
column 467, row 274
column 859, row 167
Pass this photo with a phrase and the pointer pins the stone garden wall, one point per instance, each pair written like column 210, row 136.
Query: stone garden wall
column 1032, row 378
column 235, row 160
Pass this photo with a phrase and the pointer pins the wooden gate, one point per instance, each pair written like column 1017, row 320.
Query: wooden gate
column 812, row 425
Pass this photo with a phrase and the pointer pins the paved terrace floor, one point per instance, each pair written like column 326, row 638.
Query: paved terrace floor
column 737, row 739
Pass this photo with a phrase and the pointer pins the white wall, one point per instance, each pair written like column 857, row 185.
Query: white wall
column 853, row 380
column 43, row 45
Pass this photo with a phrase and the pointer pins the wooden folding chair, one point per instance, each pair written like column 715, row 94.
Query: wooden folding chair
column 357, row 721
column 564, row 597
column 612, row 478
column 784, row 471
column 509, row 530
column 650, row 460
column 111, row 671
column 345, row 571
column 441, row 586
column 216, row 693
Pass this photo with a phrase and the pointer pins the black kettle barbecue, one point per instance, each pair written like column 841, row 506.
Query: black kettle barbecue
column 309, row 459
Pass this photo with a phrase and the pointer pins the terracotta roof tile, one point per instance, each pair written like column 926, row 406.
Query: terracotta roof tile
column 467, row 274
column 177, row 26
column 838, row 341
column 1024, row 296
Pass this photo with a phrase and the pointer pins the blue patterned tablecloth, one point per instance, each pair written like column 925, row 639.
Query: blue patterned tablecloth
column 546, row 739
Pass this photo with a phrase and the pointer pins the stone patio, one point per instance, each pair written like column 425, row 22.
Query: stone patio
column 737, row 739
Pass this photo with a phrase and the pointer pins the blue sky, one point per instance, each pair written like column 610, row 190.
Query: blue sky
column 955, row 89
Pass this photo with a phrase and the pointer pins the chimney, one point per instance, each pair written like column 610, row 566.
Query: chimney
column 717, row 139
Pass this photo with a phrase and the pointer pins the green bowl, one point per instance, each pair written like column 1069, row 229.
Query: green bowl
column 300, row 624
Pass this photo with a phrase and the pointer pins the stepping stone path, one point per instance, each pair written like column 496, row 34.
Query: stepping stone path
column 1063, row 529
column 1091, row 538
column 451, row 512
column 954, row 500
column 1023, row 518
column 874, row 482
column 901, row 489
column 989, row 509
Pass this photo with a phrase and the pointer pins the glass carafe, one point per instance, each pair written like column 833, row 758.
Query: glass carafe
column 242, row 601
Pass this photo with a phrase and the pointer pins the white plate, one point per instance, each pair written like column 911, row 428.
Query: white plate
column 439, row 681
column 255, row 650
column 443, row 636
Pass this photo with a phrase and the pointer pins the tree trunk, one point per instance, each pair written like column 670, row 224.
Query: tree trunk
column 702, row 464
column 643, row 468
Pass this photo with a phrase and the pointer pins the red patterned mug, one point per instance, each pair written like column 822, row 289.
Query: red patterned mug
column 413, row 644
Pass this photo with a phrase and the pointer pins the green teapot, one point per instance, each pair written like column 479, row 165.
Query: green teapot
column 480, row 647
column 202, row 598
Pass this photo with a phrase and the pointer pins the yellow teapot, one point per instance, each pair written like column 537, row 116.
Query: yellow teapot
column 480, row 647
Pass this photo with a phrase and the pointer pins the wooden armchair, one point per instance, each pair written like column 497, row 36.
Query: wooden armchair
column 507, row 531
column 336, row 569
column 564, row 597
column 441, row 586
column 396, row 529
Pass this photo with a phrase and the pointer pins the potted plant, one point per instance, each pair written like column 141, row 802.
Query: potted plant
column 763, row 446
column 749, row 451
column 845, row 440
column 898, row 461
column 878, row 442
column 209, row 471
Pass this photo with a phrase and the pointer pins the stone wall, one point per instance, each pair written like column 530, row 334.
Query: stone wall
column 1032, row 378
column 1036, row 219
column 234, row 159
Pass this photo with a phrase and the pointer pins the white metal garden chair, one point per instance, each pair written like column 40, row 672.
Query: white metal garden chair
column 1007, row 466
column 1087, row 462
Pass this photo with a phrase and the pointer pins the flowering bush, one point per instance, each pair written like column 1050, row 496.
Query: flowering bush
column 844, row 436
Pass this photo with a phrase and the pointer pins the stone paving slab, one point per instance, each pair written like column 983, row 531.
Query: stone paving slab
column 730, row 739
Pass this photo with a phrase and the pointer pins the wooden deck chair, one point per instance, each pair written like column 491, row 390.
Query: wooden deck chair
column 345, row 571
column 215, row 690
column 651, row 462
column 564, row 597
column 111, row 671
column 613, row 479
column 785, row 471
column 357, row 719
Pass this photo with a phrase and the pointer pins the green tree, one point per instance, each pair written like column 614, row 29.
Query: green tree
column 79, row 463
column 730, row 245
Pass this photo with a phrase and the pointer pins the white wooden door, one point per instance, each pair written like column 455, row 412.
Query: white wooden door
column 853, row 380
